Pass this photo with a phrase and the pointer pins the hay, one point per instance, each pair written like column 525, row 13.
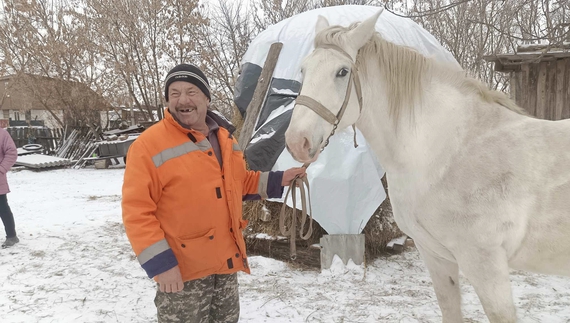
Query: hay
column 380, row 229
column 253, row 212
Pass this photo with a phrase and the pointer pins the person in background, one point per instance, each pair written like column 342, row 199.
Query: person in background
column 8, row 156
column 184, row 183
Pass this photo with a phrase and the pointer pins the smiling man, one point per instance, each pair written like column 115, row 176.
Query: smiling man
column 183, row 188
column 188, row 96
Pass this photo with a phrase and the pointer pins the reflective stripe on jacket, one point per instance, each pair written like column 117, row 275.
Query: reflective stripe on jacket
column 179, row 207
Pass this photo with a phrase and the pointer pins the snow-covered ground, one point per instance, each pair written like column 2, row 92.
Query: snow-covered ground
column 74, row 264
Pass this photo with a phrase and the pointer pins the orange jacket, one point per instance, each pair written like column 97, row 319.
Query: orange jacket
column 179, row 207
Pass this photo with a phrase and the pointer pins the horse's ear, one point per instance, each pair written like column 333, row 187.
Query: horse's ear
column 364, row 31
column 322, row 23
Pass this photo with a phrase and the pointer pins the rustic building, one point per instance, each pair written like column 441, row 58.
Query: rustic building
column 540, row 79
column 29, row 100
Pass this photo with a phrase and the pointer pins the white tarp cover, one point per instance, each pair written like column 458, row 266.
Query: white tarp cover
column 345, row 181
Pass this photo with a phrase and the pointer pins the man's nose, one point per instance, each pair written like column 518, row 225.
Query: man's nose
column 185, row 98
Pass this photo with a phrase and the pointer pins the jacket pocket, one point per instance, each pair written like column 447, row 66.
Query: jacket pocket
column 199, row 252
column 238, row 166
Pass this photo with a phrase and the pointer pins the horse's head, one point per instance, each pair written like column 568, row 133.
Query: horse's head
column 330, row 94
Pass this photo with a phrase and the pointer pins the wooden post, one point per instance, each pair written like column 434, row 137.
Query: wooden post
column 259, row 95
column 559, row 104
column 345, row 246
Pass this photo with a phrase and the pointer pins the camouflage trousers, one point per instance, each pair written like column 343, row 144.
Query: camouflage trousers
column 212, row 299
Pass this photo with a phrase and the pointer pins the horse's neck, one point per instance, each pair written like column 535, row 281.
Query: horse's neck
column 419, row 142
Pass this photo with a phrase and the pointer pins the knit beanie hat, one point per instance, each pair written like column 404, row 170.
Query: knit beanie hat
column 188, row 73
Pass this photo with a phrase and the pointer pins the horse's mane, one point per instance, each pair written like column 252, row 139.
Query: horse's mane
column 405, row 69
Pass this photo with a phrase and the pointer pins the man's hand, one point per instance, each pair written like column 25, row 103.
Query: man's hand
column 289, row 174
column 170, row 281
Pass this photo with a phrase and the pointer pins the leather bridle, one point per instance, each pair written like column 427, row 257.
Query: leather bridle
column 325, row 113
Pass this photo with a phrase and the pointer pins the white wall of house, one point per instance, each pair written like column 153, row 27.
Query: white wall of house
column 47, row 117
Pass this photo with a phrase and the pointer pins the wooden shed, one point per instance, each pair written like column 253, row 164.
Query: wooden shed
column 540, row 79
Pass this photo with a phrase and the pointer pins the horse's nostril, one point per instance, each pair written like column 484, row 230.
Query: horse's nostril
column 306, row 144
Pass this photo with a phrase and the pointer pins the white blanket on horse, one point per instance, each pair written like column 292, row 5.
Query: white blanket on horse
column 345, row 182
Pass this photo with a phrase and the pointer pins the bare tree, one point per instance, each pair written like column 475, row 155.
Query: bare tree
column 223, row 42
column 471, row 29
column 121, row 39
column 44, row 39
column 143, row 39
column 182, row 19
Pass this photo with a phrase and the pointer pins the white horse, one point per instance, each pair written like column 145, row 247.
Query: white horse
column 479, row 185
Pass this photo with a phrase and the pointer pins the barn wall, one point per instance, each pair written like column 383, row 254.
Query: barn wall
column 543, row 88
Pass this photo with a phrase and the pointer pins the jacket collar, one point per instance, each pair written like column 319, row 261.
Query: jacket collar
column 214, row 115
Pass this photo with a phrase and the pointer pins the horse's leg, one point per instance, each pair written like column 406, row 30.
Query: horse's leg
column 445, row 277
column 488, row 272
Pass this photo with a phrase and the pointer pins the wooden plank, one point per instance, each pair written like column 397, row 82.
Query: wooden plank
column 525, row 87
column 345, row 246
column 532, row 88
column 566, row 103
column 26, row 135
column 259, row 95
column 514, row 77
column 517, row 92
column 550, row 105
column 541, row 90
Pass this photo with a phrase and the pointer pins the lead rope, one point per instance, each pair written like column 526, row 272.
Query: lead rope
column 303, row 185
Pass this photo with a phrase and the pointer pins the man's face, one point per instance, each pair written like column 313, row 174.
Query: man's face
column 188, row 104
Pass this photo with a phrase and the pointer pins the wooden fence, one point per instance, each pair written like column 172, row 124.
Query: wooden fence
column 50, row 139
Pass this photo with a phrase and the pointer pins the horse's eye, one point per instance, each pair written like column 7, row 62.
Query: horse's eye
column 343, row 71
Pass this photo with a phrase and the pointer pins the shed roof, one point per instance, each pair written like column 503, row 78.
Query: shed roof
column 526, row 54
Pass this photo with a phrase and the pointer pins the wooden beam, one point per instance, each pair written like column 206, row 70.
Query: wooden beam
column 532, row 86
column 559, row 105
column 566, row 110
column 541, row 91
column 551, row 91
column 525, row 90
column 259, row 94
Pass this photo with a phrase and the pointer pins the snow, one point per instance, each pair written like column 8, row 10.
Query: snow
column 284, row 91
column 262, row 137
column 74, row 264
column 398, row 241
column 279, row 111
